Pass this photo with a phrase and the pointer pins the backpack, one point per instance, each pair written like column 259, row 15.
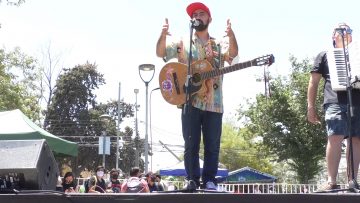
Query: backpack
column 134, row 185
column 116, row 186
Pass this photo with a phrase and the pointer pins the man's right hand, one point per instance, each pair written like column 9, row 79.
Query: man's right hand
column 312, row 116
column 161, row 43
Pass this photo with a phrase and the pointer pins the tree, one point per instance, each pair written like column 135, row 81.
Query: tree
column 14, row 3
column 127, row 154
column 282, row 123
column 68, row 113
column 50, row 70
column 18, row 87
column 240, row 149
column 74, row 113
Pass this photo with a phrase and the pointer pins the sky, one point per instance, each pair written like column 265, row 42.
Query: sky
column 119, row 35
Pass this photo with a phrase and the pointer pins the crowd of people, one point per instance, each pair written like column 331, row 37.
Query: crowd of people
column 137, row 182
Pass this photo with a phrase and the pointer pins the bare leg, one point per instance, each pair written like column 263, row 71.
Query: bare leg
column 333, row 156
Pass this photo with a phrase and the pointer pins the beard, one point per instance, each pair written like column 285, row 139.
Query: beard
column 202, row 26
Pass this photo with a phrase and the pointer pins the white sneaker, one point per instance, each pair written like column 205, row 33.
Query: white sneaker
column 210, row 186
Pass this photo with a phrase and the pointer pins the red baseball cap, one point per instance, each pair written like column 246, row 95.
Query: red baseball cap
column 195, row 6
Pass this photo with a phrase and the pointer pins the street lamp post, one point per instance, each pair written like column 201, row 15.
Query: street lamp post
column 146, row 72
column 120, row 144
column 104, row 146
column 136, row 91
column 118, row 131
column 151, row 141
column 104, row 119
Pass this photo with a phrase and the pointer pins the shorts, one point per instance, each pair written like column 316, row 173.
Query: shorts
column 336, row 120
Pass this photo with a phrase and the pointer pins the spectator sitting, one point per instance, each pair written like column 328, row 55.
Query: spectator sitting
column 171, row 185
column 160, row 182
column 115, row 183
column 68, row 184
column 153, row 185
column 135, row 184
column 97, row 183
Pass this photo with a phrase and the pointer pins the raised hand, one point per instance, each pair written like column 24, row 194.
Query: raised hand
column 161, row 43
column 165, row 29
column 229, row 31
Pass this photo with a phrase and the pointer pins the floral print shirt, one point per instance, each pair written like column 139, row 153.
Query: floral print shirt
column 212, row 100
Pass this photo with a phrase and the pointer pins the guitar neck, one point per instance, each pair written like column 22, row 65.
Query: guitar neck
column 228, row 69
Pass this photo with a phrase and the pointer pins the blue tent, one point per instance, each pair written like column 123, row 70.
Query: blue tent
column 248, row 175
column 179, row 170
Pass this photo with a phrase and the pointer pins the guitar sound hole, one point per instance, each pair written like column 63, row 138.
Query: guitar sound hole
column 196, row 78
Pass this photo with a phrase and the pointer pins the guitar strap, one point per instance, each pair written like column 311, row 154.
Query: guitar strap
column 217, row 62
column 219, row 49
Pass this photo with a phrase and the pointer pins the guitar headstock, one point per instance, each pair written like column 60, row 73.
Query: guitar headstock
column 264, row 60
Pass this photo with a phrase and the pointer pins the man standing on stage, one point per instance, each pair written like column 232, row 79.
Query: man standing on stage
column 335, row 107
column 204, row 116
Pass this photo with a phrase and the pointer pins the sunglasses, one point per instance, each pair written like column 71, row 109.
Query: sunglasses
column 345, row 30
column 348, row 30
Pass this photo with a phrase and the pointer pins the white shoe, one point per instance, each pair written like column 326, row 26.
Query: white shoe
column 210, row 186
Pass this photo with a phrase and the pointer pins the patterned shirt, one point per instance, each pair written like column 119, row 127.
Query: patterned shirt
column 213, row 98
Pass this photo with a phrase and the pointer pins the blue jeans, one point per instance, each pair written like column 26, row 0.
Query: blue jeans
column 336, row 120
column 210, row 124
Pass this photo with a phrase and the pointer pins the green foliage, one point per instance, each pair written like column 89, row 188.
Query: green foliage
column 14, row 3
column 239, row 149
column 18, row 83
column 72, row 99
column 282, row 123
column 74, row 113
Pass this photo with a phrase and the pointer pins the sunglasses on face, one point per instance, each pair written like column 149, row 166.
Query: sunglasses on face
column 348, row 30
column 345, row 30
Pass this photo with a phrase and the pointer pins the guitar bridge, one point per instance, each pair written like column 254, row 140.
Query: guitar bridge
column 176, row 82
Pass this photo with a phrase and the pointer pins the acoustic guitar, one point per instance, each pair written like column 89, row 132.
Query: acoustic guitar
column 173, row 76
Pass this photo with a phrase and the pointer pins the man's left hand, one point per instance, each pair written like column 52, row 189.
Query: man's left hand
column 229, row 31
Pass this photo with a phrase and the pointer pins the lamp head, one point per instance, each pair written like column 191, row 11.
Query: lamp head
column 147, row 67
column 146, row 72
column 105, row 118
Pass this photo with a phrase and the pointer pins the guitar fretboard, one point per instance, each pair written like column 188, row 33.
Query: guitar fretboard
column 229, row 69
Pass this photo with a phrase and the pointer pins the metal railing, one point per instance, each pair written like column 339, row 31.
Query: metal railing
column 278, row 188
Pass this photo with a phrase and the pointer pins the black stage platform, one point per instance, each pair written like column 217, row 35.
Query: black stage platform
column 50, row 197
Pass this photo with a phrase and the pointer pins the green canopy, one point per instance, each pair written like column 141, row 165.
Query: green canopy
column 14, row 125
